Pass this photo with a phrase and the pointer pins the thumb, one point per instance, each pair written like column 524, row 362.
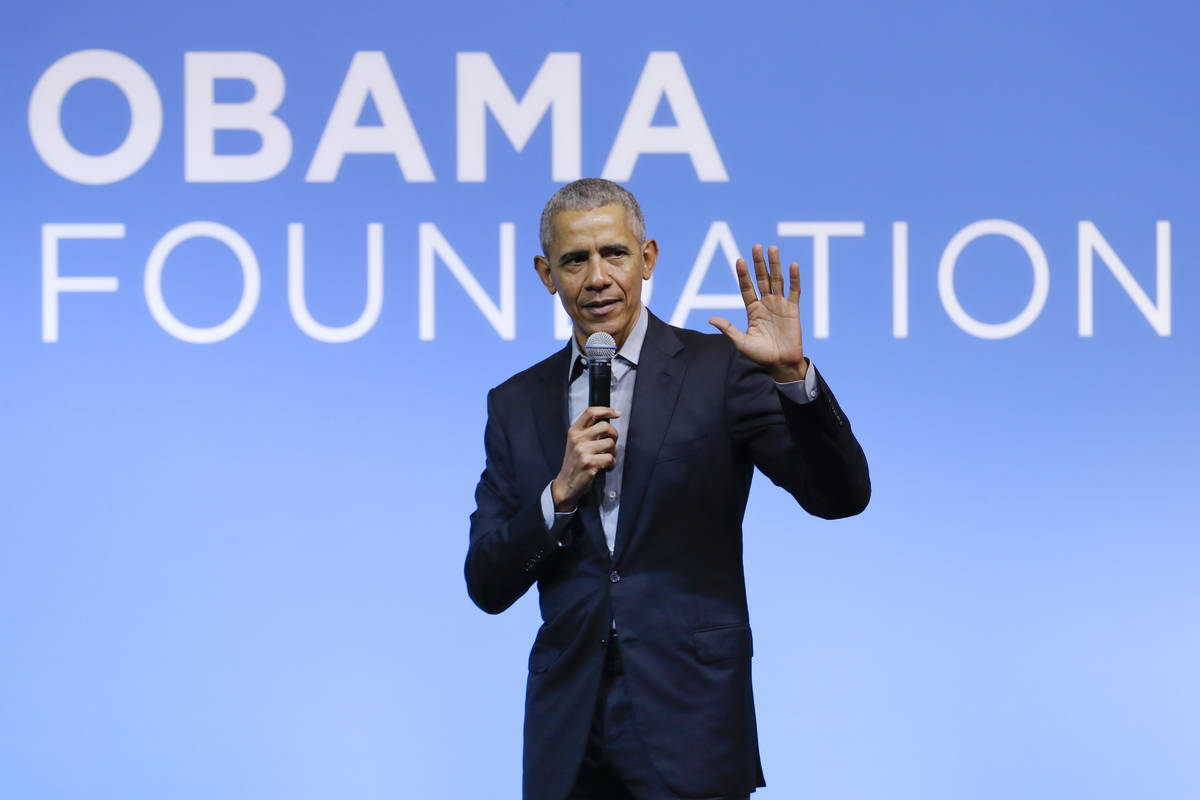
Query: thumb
column 729, row 329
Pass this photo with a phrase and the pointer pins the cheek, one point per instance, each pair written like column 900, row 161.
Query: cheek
column 569, row 294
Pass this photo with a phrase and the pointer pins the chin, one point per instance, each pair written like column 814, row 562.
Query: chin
column 611, row 325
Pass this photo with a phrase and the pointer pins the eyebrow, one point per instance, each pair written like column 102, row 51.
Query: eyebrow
column 605, row 251
column 572, row 255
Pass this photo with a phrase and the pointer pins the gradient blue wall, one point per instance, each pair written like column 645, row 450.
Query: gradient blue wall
column 233, row 570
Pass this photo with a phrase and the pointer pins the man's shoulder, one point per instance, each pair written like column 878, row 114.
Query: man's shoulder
column 700, row 339
column 534, row 377
column 715, row 353
column 695, row 344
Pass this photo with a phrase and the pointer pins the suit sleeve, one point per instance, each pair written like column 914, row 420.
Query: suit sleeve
column 808, row 449
column 509, row 540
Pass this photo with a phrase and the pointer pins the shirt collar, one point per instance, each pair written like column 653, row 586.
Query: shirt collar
column 631, row 351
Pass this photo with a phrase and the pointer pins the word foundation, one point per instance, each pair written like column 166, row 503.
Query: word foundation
column 501, row 313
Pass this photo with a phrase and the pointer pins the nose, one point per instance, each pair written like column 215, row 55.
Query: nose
column 597, row 273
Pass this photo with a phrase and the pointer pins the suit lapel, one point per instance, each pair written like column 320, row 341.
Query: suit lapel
column 549, row 409
column 659, row 378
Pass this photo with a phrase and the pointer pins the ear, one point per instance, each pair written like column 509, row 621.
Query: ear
column 649, row 258
column 543, row 270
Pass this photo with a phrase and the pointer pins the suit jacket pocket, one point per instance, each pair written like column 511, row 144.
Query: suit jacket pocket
column 723, row 642
column 541, row 657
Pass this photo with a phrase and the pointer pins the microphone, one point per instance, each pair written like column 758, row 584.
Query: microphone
column 600, row 349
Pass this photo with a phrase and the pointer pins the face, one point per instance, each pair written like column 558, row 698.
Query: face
column 596, row 266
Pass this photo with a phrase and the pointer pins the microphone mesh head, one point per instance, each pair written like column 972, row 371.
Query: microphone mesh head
column 600, row 346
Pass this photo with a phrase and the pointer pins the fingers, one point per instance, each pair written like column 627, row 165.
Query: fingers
column 600, row 462
column 599, row 431
column 760, row 270
column 597, row 435
column 744, row 284
column 774, row 272
column 729, row 329
column 595, row 445
column 768, row 274
column 594, row 414
column 601, row 453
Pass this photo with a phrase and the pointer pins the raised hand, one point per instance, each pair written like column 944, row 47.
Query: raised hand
column 773, row 337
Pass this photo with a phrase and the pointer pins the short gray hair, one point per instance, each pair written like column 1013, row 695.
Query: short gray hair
column 586, row 194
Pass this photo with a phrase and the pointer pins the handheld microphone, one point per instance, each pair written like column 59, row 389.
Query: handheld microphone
column 600, row 349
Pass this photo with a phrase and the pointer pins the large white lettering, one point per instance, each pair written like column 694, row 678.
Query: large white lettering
column 1157, row 313
column 1041, row 278
column 663, row 77
column 54, row 284
column 900, row 280
column 299, row 307
column 432, row 245
column 203, row 116
column 820, row 232
column 369, row 76
column 555, row 91
column 555, row 88
column 45, row 116
column 251, row 282
column 500, row 312
column 690, row 299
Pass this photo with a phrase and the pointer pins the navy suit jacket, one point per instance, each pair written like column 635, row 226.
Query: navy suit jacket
column 703, row 417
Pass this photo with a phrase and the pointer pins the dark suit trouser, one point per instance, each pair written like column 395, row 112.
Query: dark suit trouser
column 615, row 764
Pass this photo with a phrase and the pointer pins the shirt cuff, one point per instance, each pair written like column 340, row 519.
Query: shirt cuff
column 556, row 521
column 799, row 392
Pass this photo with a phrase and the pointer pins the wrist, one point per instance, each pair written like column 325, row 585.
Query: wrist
column 562, row 501
column 789, row 373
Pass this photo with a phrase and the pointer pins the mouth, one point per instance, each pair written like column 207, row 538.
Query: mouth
column 602, row 307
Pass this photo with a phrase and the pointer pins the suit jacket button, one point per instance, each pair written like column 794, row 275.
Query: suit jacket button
column 614, row 576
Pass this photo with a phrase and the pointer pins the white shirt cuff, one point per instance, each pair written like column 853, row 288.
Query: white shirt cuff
column 556, row 521
column 799, row 392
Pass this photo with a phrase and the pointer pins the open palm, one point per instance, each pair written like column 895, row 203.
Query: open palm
column 773, row 336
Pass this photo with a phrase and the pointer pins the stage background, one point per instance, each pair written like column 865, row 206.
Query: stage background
column 234, row 570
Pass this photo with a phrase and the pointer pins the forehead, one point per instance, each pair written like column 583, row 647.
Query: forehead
column 572, row 228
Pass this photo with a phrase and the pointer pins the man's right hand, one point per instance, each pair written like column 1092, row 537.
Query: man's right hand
column 591, row 447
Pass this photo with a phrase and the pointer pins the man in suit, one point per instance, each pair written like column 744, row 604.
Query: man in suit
column 639, row 678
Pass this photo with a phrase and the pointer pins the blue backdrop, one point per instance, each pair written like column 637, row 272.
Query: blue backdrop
column 233, row 568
